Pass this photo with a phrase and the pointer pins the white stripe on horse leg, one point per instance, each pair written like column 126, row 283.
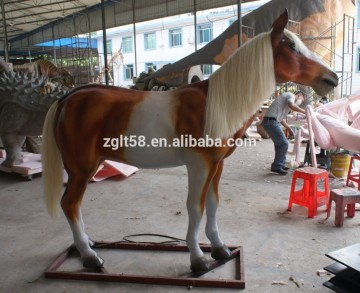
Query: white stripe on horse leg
column 218, row 248
column 197, row 178
column 211, row 229
column 82, row 226
column 195, row 215
column 82, row 243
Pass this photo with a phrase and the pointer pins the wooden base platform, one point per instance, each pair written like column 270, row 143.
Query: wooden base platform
column 190, row 279
column 30, row 165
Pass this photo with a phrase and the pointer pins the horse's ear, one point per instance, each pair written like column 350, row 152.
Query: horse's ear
column 281, row 22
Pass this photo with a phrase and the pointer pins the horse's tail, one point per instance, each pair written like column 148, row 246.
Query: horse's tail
column 52, row 165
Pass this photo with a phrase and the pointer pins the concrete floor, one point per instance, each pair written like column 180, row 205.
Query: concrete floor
column 277, row 244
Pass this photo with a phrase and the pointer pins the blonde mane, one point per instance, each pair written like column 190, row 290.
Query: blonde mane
column 239, row 87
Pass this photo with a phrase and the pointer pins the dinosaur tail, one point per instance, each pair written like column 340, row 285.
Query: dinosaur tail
column 52, row 165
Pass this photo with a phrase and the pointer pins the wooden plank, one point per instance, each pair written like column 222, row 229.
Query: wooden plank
column 31, row 164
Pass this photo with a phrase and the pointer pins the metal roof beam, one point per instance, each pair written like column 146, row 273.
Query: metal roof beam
column 43, row 5
column 41, row 13
column 36, row 21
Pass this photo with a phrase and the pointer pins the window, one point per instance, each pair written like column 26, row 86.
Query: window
column 358, row 59
column 109, row 46
column 206, row 69
column 127, row 44
column 149, row 66
column 150, row 41
column 128, row 71
column 204, row 33
column 175, row 37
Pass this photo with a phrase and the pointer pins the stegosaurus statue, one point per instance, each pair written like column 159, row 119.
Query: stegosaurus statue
column 24, row 101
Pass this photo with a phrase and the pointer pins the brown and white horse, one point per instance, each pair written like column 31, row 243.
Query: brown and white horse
column 78, row 127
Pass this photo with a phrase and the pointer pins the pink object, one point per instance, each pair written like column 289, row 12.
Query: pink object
column 30, row 164
column 342, row 135
column 354, row 110
column 110, row 168
column 328, row 126
column 321, row 134
column 311, row 135
column 356, row 122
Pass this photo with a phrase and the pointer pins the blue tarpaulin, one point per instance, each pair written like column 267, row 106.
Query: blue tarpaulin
column 70, row 42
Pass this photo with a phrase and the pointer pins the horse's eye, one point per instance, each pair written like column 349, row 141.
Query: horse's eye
column 292, row 46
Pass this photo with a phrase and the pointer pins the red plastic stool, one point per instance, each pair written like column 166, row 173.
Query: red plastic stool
column 346, row 197
column 353, row 177
column 309, row 195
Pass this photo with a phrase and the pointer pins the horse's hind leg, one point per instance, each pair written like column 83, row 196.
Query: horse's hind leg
column 199, row 177
column 70, row 204
column 218, row 248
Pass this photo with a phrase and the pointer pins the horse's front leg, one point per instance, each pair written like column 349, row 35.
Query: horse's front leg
column 218, row 248
column 199, row 177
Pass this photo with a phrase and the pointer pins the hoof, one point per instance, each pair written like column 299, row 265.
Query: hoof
column 93, row 262
column 200, row 264
column 219, row 253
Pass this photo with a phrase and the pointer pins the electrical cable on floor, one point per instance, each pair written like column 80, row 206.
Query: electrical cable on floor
column 127, row 239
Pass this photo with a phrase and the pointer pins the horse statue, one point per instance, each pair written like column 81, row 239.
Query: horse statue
column 79, row 126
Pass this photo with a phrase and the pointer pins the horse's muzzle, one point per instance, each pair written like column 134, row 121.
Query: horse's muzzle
column 331, row 79
column 326, row 83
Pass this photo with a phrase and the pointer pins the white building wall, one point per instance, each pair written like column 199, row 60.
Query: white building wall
column 163, row 54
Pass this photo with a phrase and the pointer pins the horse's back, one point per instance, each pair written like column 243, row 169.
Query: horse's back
column 134, row 127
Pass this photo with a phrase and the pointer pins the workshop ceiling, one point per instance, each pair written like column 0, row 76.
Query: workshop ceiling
column 23, row 16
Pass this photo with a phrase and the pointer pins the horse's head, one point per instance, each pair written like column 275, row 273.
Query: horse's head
column 293, row 61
